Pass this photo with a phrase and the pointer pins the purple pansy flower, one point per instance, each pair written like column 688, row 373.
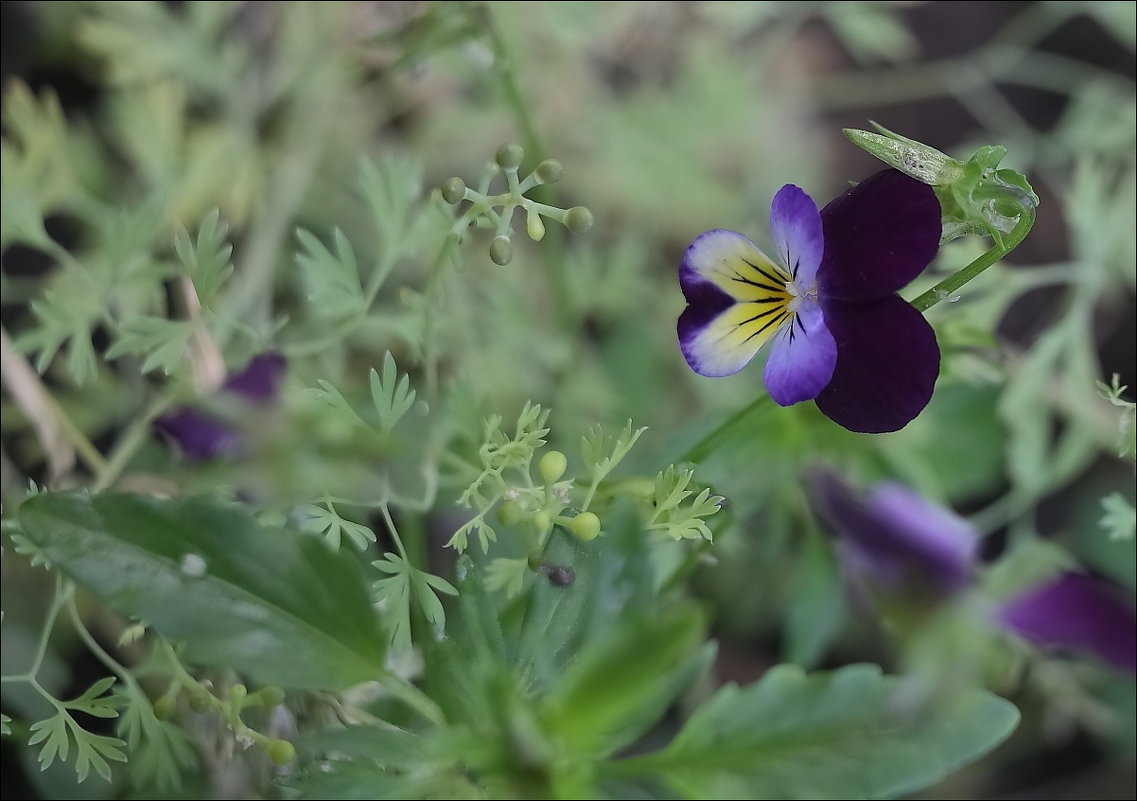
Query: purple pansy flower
column 200, row 435
column 839, row 334
column 900, row 544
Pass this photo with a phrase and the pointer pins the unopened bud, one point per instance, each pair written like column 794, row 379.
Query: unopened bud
column 501, row 250
column 509, row 156
column 552, row 466
column 534, row 227
column 549, row 171
column 281, row 751
column 585, row 525
column 924, row 163
column 578, row 219
column 453, row 190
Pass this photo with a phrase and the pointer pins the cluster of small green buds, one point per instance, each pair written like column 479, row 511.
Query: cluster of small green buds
column 230, row 707
column 497, row 210
column 976, row 195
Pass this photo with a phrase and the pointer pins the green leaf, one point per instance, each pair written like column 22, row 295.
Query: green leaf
column 328, row 522
column 206, row 261
column 403, row 582
column 602, row 452
column 332, row 279
column 161, row 752
column 163, row 342
column 5, row 729
column 279, row 606
column 845, row 734
column 391, row 394
column 91, row 750
column 619, row 679
column 92, row 704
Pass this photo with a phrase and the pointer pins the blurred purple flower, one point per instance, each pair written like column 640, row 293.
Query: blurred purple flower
column 200, row 435
column 1076, row 611
column 901, row 545
column 840, row 334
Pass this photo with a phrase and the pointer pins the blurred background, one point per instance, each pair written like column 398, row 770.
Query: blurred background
column 670, row 118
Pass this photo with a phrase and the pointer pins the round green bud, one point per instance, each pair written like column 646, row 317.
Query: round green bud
column 578, row 219
column 165, row 707
column 509, row 512
column 509, row 156
column 534, row 227
column 268, row 697
column 541, row 521
column 453, row 190
column 549, row 171
column 281, row 751
column 200, row 700
column 552, row 466
column 585, row 525
column 501, row 250
column 237, row 693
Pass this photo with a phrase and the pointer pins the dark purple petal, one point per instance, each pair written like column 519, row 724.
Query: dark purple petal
column 198, row 435
column 795, row 227
column 894, row 539
column 260, row 378
column 887, row 364
column 802, row 357
column 1076, row 611
column 879, row 235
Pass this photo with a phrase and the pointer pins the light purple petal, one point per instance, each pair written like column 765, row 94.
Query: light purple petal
column 887, row 364
column 795, row 226
column 879, row 235
column 894, row 539
column 802, row 357
column 1076, row 611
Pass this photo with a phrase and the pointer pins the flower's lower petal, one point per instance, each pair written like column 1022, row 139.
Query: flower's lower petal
column 198, row 435
column 733, row 264
column 887, row 364
column 1076, row 611
column 795, row 225
column 720, row 340
column 879, row 235
column 802, row 357
column 260, row 378
column 894, row 539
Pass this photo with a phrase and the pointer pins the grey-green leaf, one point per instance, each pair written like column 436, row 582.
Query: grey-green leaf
column 845, row 734
column 278, row 606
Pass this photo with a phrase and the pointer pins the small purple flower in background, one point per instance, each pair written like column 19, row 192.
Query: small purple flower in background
column 839, row 333
column 901, row 545
column 200, row 435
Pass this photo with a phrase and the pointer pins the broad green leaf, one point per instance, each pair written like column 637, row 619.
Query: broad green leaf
column 845, row 734
column 280, row 607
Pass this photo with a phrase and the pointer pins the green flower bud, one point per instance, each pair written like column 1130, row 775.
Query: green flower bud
column 549, row 171
column 200, row 700
column 534, row 227
column 165, row 707
column 509, row 513
column 268, row 697
column 509, row 156
column 578, row 219
column 281, row 751
column 454, row 190
column 585, row 525
column 237, row 694
column 501, row 250
column 924, row 163
column 541, row 521
column 552, row 466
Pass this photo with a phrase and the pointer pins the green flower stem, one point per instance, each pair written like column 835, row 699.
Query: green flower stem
column 62, row 592
column 100, row 653
column 946, row 287
column 700, row 450
column 132, row 439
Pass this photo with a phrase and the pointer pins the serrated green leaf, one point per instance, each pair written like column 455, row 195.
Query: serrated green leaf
column 206, row 260
column 92, row 704
column 845, row 734
column 279, row 606
column 403, row 582
column 327, row 521
column 162, row 342
column 508, row 575
column 332, row 280
column 5, row 729
column 390, row 393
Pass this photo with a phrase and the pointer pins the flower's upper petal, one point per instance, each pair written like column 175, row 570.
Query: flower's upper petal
column 1076, row 611
column 260, row 378
column 887, row 364
column 795, row 226
column 802, row 357
column 895, row 539
column 198, row 435
column 732, row 263
column 879, row 235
